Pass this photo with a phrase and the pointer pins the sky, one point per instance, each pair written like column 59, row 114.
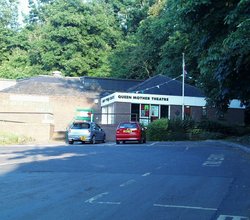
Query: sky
column 23, row 8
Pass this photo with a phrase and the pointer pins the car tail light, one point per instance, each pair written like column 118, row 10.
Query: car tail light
column 118, row 130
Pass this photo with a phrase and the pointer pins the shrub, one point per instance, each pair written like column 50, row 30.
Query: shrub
column 157, row 130
column 219, row 127
column 178, row 125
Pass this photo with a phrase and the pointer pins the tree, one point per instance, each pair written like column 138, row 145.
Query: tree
column 76, row 38
column 220, row 32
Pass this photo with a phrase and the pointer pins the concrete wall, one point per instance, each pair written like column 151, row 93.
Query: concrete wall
column 6, row 83
column 110, row 131
column 123, row 111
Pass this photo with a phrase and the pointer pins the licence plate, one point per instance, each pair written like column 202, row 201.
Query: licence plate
column 127, row 131
column 82, row 138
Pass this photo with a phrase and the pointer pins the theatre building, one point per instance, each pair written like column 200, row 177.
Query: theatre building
column 161, row 97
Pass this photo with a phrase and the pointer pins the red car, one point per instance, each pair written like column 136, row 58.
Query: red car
column 130, row 131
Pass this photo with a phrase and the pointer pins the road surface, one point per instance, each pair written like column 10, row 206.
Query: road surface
column 205, row 180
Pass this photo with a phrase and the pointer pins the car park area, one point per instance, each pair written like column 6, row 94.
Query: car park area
column 205, row 180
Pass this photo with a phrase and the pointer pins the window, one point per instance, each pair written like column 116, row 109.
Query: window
column 108, row 114
column 164, row 111
column 204, row 112
column 135, row 112
column 80, row 126
column 187, row 111
column 144, row 110
column 155, row 111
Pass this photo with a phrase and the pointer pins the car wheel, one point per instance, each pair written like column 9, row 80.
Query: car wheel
column 93, row 140
column 117, row 142
column 71, row 142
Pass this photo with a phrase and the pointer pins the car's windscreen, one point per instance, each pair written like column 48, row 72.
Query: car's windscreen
column 128, row 125
column 80, row 126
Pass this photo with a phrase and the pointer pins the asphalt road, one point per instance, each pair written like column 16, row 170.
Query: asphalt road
column 159, row 180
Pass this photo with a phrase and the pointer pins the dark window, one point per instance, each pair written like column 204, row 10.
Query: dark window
column 164, row 111
column 128, row 125
column 204, row 112
column 80, row 126
column 135, row 109
column 187, row 111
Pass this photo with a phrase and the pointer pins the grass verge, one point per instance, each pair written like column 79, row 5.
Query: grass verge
column 9, row 138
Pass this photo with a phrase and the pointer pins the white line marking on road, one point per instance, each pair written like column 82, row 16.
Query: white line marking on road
column 146, row 174
column 128, row 183
column 153, row 143
column 214, row 160
column 185, row 207
column 91, row 200
column 110, row 203
column 232, row 217
column 110, row 144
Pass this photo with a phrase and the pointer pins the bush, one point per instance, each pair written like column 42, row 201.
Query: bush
column 177, row 130
column 178, row 125
column 157, row 130
column 225, row 129
column 9, row 138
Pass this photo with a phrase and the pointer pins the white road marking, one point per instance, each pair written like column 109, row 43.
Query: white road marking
column 146, row 174
column 128, row 183
column 91, row 200
column 110, row 203
column 214, row 160
column 232, row 217
column 185, row 207
column 110, row 144
column 153, row 143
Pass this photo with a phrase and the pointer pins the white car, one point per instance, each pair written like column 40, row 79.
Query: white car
column 85, row 132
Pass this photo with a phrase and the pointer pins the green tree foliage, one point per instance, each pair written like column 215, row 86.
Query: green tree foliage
column 75, row 38
column 133, row 39
column 220, row 33
column 214, row 37
column 9, row 13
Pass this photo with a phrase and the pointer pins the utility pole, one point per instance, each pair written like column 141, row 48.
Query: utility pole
column 183, row 86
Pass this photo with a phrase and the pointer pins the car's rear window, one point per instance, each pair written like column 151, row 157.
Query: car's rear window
column 80, row 126
column 128, row 125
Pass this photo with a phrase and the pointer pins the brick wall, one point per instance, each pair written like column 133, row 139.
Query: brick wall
column 40, row 116
column 37, row 131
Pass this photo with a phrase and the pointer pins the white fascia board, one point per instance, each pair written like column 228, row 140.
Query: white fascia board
column 160, row 100
column 152, row 99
